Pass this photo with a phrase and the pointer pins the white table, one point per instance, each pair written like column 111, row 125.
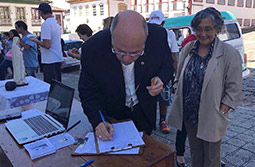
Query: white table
column 34, row 92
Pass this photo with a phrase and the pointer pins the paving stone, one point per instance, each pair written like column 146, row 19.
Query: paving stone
column 237, row 129
column 244, row 155
column 249, row 147
column 227, row 149
column 244, row 137
column 248, row 124
column 250, row 133
column 231, row 134
column 250, row 163
column 233, row 161
column 236, row 142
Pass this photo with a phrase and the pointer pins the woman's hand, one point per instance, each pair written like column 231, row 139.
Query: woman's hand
column 224, row 108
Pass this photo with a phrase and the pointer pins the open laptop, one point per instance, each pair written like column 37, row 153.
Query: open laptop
column 54, row 120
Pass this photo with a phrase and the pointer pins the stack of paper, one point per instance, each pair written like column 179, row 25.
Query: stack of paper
column 48, row 146
column 126, row 139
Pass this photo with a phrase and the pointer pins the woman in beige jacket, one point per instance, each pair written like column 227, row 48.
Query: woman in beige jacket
column 209, row 84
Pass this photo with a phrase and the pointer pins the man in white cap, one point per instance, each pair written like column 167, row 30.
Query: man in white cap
column 157, row 17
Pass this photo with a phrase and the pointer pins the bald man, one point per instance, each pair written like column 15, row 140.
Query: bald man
column 123, row 69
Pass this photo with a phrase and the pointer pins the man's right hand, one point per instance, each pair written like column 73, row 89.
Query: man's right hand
column 104, row 133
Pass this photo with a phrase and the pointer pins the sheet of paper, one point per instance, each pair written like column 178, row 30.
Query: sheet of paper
column 62, row 140
column 125, row 136
column 40, row 148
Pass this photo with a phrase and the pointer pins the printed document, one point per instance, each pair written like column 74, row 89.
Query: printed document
column 125, row 137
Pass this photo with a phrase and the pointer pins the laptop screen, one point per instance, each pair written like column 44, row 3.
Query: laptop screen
column 59, row 102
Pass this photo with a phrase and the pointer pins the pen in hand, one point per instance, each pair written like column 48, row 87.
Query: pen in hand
column 102, row 117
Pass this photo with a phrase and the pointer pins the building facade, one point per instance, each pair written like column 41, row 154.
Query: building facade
column 25, row 10
column 92, row 12
column 244, row 10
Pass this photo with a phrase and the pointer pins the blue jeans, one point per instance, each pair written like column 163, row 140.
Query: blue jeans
column 3, row 68
column 31, row 71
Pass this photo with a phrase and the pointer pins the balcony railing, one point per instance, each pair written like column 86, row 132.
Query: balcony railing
column 6, row 22
column 36, row 22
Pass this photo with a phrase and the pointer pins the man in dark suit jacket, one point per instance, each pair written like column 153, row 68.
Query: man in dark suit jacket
column 123, row 69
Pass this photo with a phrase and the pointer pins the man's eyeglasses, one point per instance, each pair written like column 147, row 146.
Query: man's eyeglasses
column 207, row 30
column 129, row 54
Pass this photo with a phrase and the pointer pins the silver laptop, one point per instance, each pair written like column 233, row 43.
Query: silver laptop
column 53, row 121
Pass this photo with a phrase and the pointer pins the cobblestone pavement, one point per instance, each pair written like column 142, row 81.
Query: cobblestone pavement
column 238, row 146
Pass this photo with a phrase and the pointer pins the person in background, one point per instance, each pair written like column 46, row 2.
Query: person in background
column 7, row 62
column 157, row 17
column 123, row 69
column 30, row 49
column 50, row 45
column 209, row 85
column 107, row 22
column 84, row 32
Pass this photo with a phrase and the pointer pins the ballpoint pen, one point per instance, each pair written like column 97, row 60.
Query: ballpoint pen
column 87, row 163
column 102, row 117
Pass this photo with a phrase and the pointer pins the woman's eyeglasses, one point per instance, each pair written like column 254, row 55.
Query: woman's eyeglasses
column 207, row 30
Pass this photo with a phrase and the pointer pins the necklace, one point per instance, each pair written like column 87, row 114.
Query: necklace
column 131, row 100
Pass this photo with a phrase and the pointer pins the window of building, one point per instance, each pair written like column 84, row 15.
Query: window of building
column 240, row 21
column 94, row 8
column 80, row 10
column 248, row 3
column 165, row 6
column 20, row 13
column 198, row 0
column 240, row 3
column 221, row 2
column 101, row 9
column 253, row 22
column 35, row 17
column 210, row 1
column 75, row 11
column 246, row 22
column 253, row 3
column 5, row 15
column 150, row 6
column 144, row 6
column 122, row 6
column 231, row 2
column 87, row 10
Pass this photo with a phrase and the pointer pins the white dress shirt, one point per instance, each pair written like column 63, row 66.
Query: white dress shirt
column 129, row 77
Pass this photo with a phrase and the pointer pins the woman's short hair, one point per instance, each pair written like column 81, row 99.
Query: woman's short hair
column 84, row 29
column 211, row 13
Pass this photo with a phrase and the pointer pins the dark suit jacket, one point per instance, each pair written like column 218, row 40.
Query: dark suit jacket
column 101, row 84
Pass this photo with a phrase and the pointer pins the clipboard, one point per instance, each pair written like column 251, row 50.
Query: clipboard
column 131, row 145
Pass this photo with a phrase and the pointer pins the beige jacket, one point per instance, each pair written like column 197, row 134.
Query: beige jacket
column 222, row 84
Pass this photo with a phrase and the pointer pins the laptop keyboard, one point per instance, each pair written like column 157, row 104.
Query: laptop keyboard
column 40, row 125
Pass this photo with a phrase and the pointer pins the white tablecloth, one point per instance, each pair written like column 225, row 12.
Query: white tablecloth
column 34, row 92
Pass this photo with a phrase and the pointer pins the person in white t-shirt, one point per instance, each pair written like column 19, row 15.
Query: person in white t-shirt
column 50, row 44
column 157, row 17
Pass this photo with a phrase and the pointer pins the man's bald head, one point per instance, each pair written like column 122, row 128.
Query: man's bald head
column 129, row 20
column 129, row 32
